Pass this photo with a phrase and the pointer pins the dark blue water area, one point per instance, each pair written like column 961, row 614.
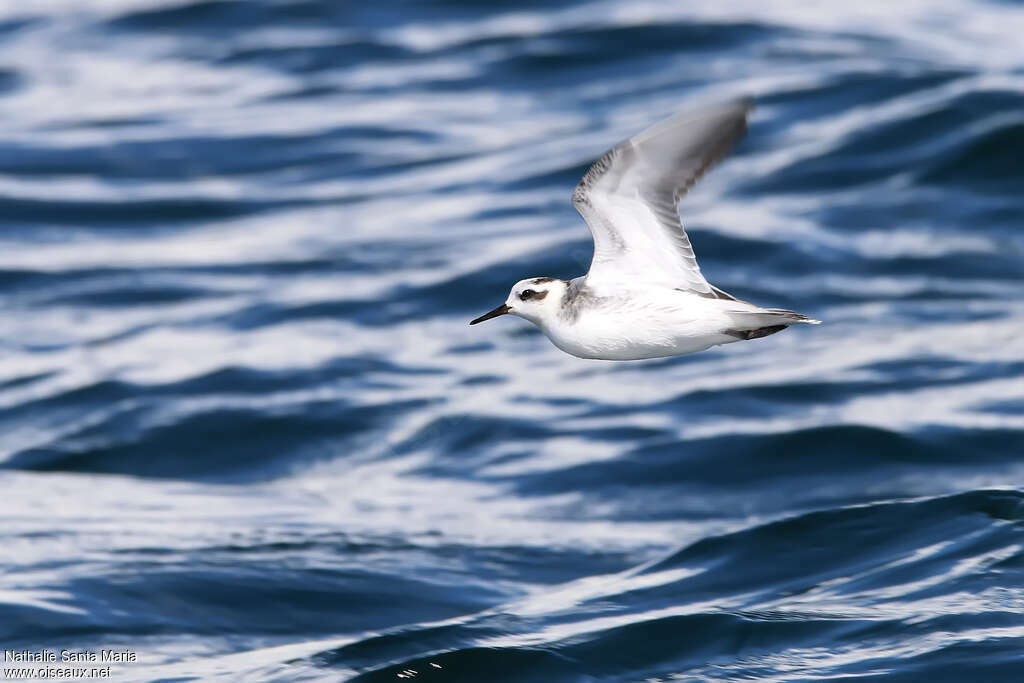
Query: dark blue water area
column 247, row 434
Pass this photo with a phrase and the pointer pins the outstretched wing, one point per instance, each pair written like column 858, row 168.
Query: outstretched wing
column 629, row 198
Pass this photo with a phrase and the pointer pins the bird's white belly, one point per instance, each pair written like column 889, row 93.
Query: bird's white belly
column 617, row 335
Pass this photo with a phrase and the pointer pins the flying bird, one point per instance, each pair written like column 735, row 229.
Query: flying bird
column 644, row 295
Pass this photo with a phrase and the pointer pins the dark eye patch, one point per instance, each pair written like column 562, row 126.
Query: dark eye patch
column 532, row 294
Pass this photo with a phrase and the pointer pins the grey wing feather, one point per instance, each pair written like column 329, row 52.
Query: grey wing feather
column 629, row 196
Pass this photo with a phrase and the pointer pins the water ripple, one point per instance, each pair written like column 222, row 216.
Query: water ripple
column 241, row 244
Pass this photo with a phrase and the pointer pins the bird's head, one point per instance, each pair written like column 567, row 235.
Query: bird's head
column 536, row 299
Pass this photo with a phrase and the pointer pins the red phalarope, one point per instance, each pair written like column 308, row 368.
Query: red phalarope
column 644, row 295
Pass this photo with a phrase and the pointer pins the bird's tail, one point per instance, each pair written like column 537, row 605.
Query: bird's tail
column 760, row 322
column 786, row 317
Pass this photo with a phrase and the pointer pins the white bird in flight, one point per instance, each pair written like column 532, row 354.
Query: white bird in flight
column 644, row 296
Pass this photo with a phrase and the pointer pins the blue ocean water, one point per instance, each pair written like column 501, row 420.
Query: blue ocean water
column 247, row 434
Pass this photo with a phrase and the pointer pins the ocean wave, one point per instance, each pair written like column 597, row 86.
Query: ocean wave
column 246, row 429
column 792, row 598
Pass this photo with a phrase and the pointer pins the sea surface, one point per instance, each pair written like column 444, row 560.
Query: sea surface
column 246, row 433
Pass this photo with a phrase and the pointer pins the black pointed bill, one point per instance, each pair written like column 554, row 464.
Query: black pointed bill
column 500, row 310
